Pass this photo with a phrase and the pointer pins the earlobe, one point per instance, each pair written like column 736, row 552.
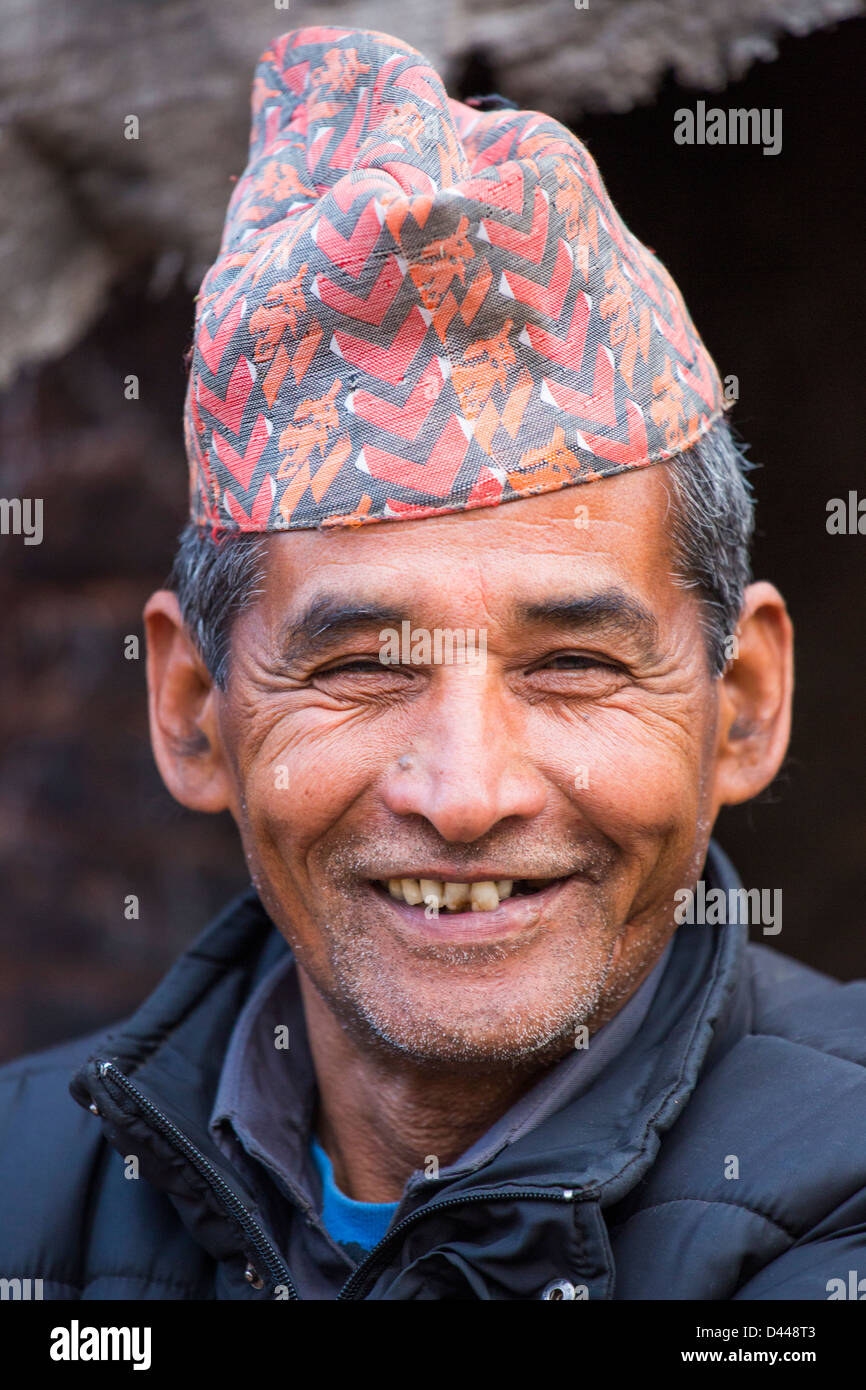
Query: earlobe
column 184, row 730
column 755, row 699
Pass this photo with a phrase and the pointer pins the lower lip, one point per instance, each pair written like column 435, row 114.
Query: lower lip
column 513, row 917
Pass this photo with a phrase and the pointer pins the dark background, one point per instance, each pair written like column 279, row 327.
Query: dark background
column 768, row 252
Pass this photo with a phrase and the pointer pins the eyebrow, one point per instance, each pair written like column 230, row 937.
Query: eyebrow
column 610, row 611
column 326, row 619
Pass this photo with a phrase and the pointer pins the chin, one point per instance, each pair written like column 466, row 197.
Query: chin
column 438, row 1032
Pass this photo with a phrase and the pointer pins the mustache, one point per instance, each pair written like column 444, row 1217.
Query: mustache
column 382, row 854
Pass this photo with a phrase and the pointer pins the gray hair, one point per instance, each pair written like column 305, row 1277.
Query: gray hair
column 711, row 529
column 711, row 522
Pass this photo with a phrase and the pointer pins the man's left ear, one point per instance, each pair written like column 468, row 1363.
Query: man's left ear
column 755, row 699
column 184, row 731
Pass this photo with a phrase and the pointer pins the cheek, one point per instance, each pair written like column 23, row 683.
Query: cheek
column 634, row 778
column 300, row 782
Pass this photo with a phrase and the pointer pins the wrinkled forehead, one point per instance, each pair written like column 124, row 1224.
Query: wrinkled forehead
column 493, row 566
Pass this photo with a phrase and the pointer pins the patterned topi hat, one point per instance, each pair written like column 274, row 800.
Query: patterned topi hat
column 419, row 307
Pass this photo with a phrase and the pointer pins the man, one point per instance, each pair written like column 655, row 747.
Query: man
column 472, row 1032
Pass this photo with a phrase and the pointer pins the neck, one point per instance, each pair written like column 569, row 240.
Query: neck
column 382, row 1116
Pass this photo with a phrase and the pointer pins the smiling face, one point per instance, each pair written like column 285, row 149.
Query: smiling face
column 580, row 750
column 590, row 749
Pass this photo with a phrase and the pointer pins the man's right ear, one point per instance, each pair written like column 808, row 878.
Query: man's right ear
column 184, row 730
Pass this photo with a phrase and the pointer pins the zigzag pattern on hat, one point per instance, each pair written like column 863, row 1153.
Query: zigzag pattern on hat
column 420, row 308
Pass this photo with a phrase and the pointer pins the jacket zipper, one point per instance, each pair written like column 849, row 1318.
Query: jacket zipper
column 268, row 1256
column 372, row 1264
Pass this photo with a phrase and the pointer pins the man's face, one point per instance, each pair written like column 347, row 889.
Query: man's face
column 582, row 752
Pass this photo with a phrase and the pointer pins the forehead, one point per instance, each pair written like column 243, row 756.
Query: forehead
column 615, row 530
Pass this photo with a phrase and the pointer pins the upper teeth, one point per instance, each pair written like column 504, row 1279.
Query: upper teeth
column 481, row 897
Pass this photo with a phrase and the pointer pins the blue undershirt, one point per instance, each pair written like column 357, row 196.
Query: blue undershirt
column 349, row 1222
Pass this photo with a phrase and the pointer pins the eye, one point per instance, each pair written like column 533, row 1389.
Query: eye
column 358, row 664
column 575, row 661
column 361, row 675
column 575, row 675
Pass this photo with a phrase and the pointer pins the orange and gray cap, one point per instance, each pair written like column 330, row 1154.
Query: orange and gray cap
column 419, row 307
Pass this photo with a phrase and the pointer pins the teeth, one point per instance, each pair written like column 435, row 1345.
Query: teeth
column 411, row 890
column 483, row 897
column 456, row 896
column 480, row 897
column 433, row 888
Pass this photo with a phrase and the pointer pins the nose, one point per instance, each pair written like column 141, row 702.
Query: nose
column 466, row 767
